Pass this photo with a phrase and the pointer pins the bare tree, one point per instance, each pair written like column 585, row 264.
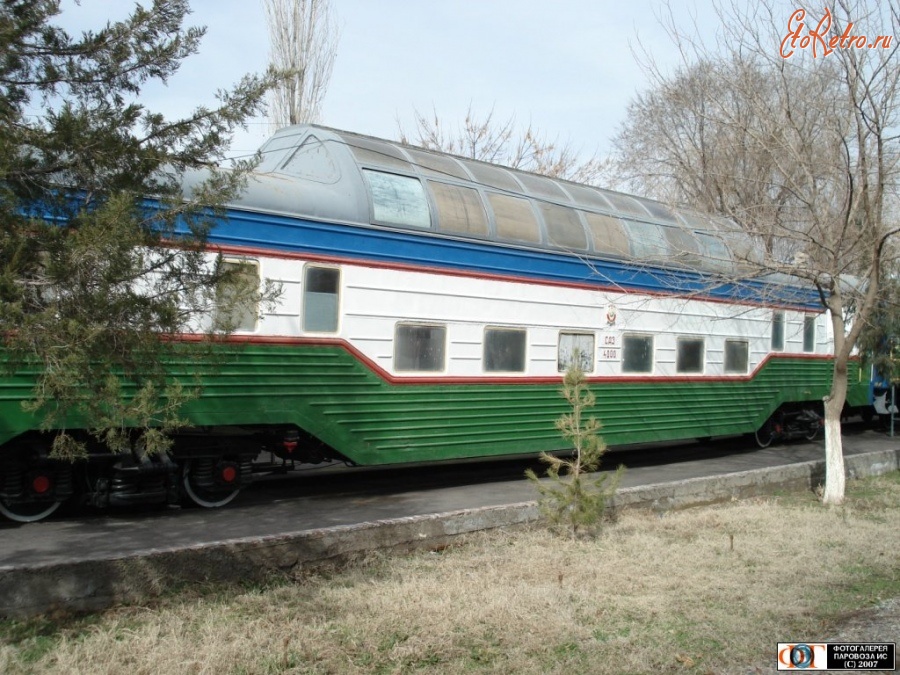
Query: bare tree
column 304, row 39
column 501, row 142
column 789, row 126
column 696, row 138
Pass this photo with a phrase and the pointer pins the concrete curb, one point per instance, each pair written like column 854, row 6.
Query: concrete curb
column 93, row 584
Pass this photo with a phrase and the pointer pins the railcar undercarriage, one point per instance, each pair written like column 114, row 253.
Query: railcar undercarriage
column 205, row 467
column 791, row 422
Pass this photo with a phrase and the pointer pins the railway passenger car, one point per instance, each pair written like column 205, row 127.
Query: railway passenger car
column 429, row 306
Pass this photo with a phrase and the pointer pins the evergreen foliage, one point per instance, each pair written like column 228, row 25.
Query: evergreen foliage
column 574, row 500
column 89, row 282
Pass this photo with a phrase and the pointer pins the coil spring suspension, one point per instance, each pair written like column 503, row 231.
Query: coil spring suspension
column 203, row 472
column 12, row 484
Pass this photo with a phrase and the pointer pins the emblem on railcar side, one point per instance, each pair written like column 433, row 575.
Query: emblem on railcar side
column 611, row 315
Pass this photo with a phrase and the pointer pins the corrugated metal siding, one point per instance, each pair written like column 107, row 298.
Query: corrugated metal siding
column 326, row 391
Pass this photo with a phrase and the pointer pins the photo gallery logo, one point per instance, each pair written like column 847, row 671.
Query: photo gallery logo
column 823, row 39
column 865, row 656
column 802, row 656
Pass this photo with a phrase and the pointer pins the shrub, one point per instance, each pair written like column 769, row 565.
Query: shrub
column 575, row 499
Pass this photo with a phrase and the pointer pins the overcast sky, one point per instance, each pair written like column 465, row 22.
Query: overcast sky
column 565, row 66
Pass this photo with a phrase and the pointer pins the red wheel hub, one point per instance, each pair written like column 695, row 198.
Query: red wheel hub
column 228, row 473
column 41, row 484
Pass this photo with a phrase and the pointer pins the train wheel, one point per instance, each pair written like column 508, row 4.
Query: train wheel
column 812, row 433
column 28, row 512
column 765, row 434
column 31, row 495
column 211, row 482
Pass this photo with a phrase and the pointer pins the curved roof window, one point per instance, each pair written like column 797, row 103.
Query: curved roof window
column 397, row 200
column 588, row 196
column 514, row 218
column 683, row 246
column 607, row 234
column 493, row 176
column 739, row 242
column 658, row 210
column 437, row 165
column 697, row 221
column 564, row 227
column 625, row 204
column 459, row 209
column 377, row 153
column 540, row 186
column 646, row 240
column 715, row 253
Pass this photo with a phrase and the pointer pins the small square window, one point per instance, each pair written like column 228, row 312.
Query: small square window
column 809, row 333
column 504, row 350
column 689, row 355
column 419, row 348
column 637, row 354
column 778, row 331
column 737, row 356
column 576, row 347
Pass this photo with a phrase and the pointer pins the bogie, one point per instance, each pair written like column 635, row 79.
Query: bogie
column 212, row 482
column 789, row 423
column 32, row 486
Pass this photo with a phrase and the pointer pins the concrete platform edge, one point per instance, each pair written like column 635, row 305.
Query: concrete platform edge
column 88, row 585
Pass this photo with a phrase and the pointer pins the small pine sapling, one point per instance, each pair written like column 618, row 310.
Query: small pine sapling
column 573, row 500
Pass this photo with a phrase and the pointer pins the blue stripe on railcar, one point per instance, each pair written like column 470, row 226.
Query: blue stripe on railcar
column 424, row 249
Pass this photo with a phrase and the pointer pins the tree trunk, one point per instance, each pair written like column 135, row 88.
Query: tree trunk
column 834, row 448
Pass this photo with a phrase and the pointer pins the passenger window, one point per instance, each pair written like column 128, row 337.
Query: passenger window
column 777, row 331
column 607, row 234
column 459, row 209
column 715, row 253
column 647, row 240
column 515, row 218
column 576, row 347
column 504, row 350
column 637, row 354
column 809, row 333
column 564, row 227
column 737, row 356
column 237, row 296
column 689, row 355
column 398, row 200
column 683, row 246
column 419, row 348
column 321, row 295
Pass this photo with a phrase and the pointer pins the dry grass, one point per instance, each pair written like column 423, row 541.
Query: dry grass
column 652, row 594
